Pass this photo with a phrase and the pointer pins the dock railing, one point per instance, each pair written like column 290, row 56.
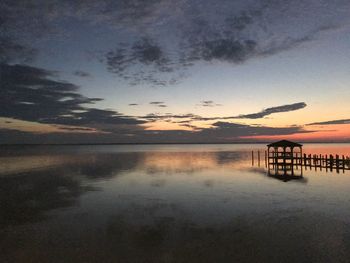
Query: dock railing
column 326, row 161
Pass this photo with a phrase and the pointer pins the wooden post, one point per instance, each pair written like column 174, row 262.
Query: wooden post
column 337, row 162
column 275, row 155
column 252, row 158
column 258, row 158
column 265, row 159
column 322, row 160
column 315, row 161
column 310, row 163
column 331, row 161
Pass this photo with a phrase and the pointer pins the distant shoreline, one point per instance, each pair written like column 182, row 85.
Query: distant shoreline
column 168, row 143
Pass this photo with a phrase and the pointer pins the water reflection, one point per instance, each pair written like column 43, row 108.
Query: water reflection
column 25, row 198
column 286, row 173
column 192, row 162
column 168, row 206
column 243, row 239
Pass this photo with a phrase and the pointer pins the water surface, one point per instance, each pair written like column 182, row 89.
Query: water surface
column 168, row 203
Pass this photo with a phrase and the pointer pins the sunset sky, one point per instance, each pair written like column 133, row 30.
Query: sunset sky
column 133, row 71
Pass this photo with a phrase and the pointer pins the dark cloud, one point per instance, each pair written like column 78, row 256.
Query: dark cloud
column 12, row 51
column 241, row 21
column 230, row 50
column 31, row 94
column 164, row 37
column 278, row 109
column 133, row 104
column 76, row 128
column 333, row 122
column 188, row 125
column 82, row 74
column 229, row 130
column 209, row 103
column 241, row 32
column 220, row 132
column 147, row 52
column 141, row 62
column 91, row 116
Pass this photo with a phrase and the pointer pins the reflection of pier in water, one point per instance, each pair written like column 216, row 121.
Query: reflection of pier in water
column 284, row 163
column 285, row 172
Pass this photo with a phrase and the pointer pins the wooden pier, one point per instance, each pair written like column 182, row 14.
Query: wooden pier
column 288, row 159
column 331, row 162
column 312, row 161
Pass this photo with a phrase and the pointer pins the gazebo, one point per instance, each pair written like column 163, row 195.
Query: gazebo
column 282, row 152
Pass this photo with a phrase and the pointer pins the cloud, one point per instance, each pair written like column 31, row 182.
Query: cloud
column 269, row 111
column 236, row 130
column 164, row 38
column 242, row 31
column 31, row 94
column 230, row 50
column 208, row 103
column 333, row 122
column 12, row 51
column 167, row 116
column 133, row 104
column 80, row 73
column 219, row 132
column 160, row 104
column 84, row 129
column 141, row 62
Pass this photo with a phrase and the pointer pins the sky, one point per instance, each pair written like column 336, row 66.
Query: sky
column 174, row 71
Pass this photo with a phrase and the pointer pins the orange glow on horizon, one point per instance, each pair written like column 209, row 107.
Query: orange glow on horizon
column 163, row 126
column 41, row 128
column 340, row 132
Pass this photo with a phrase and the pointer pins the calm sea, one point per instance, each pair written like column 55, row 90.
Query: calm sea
column 169, row 203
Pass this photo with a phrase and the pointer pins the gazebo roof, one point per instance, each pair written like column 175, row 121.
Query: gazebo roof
column 284, row 143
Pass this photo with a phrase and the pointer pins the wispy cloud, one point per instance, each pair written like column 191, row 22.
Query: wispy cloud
column 194, row 117
column 269, row 111
column 159, row 104
column 80, row 73
column 332, row 122
column 31, row 94
column 208, row 103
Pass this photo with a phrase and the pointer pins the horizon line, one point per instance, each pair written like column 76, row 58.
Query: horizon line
column 159, row 143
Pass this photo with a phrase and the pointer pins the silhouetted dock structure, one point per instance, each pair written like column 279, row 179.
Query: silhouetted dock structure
column 284, row 158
